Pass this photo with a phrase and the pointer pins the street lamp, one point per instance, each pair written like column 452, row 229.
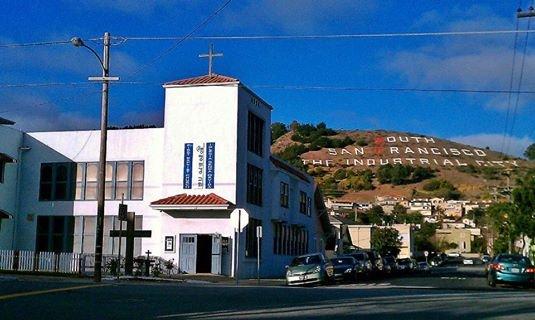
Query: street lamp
column 105, row 65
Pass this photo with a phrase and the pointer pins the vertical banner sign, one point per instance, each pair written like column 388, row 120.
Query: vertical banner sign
column 188, row 162
column 200, row 161
column 210, row 165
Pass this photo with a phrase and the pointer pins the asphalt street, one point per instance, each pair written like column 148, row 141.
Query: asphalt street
column 445, row 294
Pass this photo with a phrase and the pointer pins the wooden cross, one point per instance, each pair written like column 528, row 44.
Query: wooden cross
column 210, row 55
column 130, row 234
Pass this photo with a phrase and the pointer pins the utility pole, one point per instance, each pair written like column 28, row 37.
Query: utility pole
column 102, row 159
column 101, row 178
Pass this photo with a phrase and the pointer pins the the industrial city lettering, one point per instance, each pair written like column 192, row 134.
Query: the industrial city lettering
column 421, row 151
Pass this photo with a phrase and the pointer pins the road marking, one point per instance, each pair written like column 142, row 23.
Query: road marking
column 33, row 293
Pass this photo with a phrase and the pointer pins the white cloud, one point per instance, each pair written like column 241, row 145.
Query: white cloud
column 303, row 16
column 133, row 7
column 471, row 62
column 36, row 113
column 513, row 145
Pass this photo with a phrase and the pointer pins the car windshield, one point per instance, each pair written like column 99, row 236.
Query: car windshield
column 359, row 256
column 306, row 260
column 389, row 259
column 338, row 261
column 514, row 259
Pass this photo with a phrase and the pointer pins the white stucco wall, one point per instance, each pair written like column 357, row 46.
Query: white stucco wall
column 83, row 146
column 10, row 141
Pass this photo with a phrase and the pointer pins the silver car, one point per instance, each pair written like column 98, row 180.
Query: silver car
column 309, row 269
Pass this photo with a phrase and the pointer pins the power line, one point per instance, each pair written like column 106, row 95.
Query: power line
column 184, row 38
column 331, row 36
column 490, row 91
column 509, row 96
column 521, row 77
column 285, row 87
column 123, row 39
column 33, row 44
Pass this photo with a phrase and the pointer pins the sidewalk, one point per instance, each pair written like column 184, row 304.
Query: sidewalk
column 182, row 278
column 201, row 279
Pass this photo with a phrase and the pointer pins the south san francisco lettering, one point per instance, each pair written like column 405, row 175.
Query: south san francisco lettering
column 422, row 151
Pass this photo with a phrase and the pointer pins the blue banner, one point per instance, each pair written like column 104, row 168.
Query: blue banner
column 188, row 162
column 210, row 165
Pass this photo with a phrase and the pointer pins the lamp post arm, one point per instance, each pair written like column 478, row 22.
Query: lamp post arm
column 96, row 55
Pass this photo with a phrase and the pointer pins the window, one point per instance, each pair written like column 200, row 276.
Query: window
column 309, row 206
column 80, row 185
column 138, row 170
column 285, row 195
column 255, row 134
column 289, row 239
column 91, row 181
column 122, row 178
column 56, row 183
column 250, row 238
column 55, row 233
column 123, row 173
column 2, row 170
column 302, row 202
column 254, row 185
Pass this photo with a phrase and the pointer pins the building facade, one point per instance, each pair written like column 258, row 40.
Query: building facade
column 183, row 181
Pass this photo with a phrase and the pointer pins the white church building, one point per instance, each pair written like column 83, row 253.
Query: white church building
column 212, row 156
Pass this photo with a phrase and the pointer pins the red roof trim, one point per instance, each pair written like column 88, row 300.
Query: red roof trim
column 193, row 200
column 203, row 80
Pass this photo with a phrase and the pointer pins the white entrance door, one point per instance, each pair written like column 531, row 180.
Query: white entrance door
column 216, row 254
column 188, row 253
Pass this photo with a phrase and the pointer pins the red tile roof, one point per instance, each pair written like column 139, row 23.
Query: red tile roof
column 193, row 200
column 203, row 80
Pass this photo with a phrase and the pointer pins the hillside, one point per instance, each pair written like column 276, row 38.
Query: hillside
column 359, row 165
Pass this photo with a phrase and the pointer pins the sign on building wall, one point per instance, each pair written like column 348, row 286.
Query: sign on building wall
column 199, row 166
column 210, row 165
column 188, row 161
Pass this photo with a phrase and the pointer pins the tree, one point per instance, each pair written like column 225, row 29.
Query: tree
column 386, row 241
column 423, row 238
column 530, row 152
column 278, row 129
column 498, row 220
column 373, row 216
column 476, row 215
column 523, row 218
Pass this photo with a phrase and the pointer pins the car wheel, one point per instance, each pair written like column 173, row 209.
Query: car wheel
column 490, row 281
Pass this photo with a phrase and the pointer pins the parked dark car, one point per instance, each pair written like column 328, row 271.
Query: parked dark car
column 309, row 269
column 424, row 267
column 376, row 260
column 345, row 268
column 389, row 264
column 512, row 269
column 364, row 263
column 406, row 265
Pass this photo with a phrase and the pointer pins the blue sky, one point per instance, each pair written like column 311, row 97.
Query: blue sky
column 453, row 62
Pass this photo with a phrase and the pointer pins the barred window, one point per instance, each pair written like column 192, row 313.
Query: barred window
column 56, row 181
column 284, row 195
column 289, row 239
column 302, row 202
column 254, row 185
column 255, row 134
column 123, row 178
column 251, row 239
